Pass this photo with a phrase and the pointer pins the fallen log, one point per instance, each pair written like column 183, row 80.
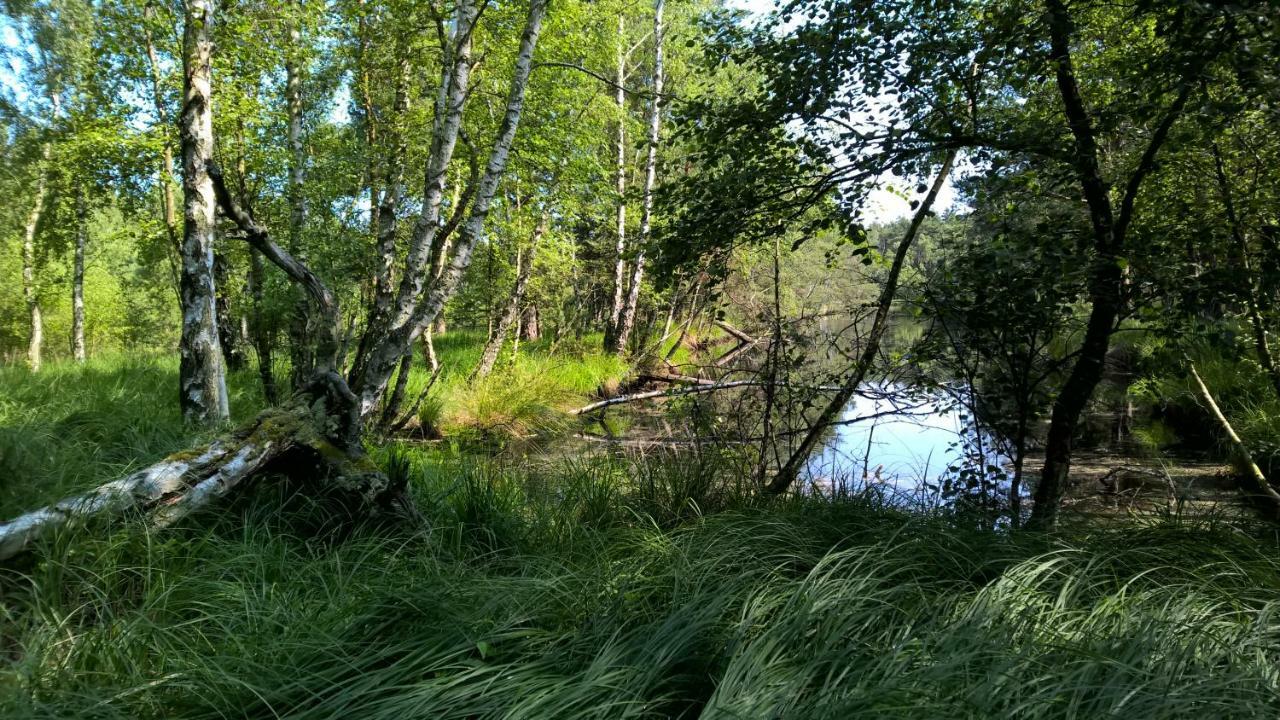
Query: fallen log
column 700, row 387
column 1253, row 481
column 304, row 440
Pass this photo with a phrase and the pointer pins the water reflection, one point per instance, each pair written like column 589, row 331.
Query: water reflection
column 907, row 441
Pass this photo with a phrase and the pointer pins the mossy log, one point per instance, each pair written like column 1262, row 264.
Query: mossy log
column 308, row 440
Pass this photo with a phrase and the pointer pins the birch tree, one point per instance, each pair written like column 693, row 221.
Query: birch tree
column 320, row 427
column 202, row 374
column 626, row 322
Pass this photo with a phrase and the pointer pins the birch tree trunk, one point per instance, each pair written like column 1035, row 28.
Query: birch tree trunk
column 524, row 269
column 414, row 312
column 202, row 375
column 301, row 351
column 1257, row 487
column 620, row 187
column 77, row 276
column 174, row 249
column 628, row 319
column 381, row 350
column 35, row 342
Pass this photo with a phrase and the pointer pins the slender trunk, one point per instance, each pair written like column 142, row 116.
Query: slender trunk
column 202, row 376
column 29, row 293
column 771, row 370
column 232, row 356
column 429, row 348
column 1251, row 292
column 1106, row 278
column 524, row 269
column 301, row 350
column 788, row 472
column 392, row 193
column 77, row 276
column 168, row 207
column 414, row 315
column 260, row 331
column 1259, row 489
column 627, row 322
column 620, row 187
column 396, row 400
column 376, row 361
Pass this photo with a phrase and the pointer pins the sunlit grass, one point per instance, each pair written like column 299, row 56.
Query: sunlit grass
column 602, row 587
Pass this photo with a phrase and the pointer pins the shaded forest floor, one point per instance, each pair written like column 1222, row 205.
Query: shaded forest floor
column 608, row 586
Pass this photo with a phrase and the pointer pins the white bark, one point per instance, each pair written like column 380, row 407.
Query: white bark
column 450, row 103
column 524, row 269
column 77, row 276
column 415, row 313
column 202, row 375
column 620, row 187
column 627, row 322
column 36, row 339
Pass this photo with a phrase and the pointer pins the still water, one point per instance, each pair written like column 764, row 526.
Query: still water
column 907, row 445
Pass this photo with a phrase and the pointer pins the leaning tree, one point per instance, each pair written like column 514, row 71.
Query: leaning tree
column 315, row 436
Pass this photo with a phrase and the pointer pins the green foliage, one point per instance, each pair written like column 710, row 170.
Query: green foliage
column 816, row 609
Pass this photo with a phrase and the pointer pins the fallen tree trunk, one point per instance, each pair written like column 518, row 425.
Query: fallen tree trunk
column 699, row 387
column 299, row 440
column 1257, row 488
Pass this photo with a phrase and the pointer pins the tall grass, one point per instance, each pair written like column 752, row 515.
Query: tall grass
column 527, row 394
column 808, row 611
column 623, row 587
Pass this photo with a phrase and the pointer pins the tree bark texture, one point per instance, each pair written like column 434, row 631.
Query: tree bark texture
column 301, row 351
column 202, row 375
column 77, row 276
column 415, row 309
column 620, row 187
column 35, row 343
column 295, row 440
column 627, row 322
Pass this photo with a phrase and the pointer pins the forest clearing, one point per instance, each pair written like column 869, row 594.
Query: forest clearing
column 639, row 359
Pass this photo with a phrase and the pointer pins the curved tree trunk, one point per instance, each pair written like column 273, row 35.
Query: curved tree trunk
column 1106, row 278
column 316, row 435
column 787, row 474
column 298, row 440
column 414, row 311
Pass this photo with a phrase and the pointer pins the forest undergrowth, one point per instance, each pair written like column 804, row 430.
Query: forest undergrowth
column 607, row 586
